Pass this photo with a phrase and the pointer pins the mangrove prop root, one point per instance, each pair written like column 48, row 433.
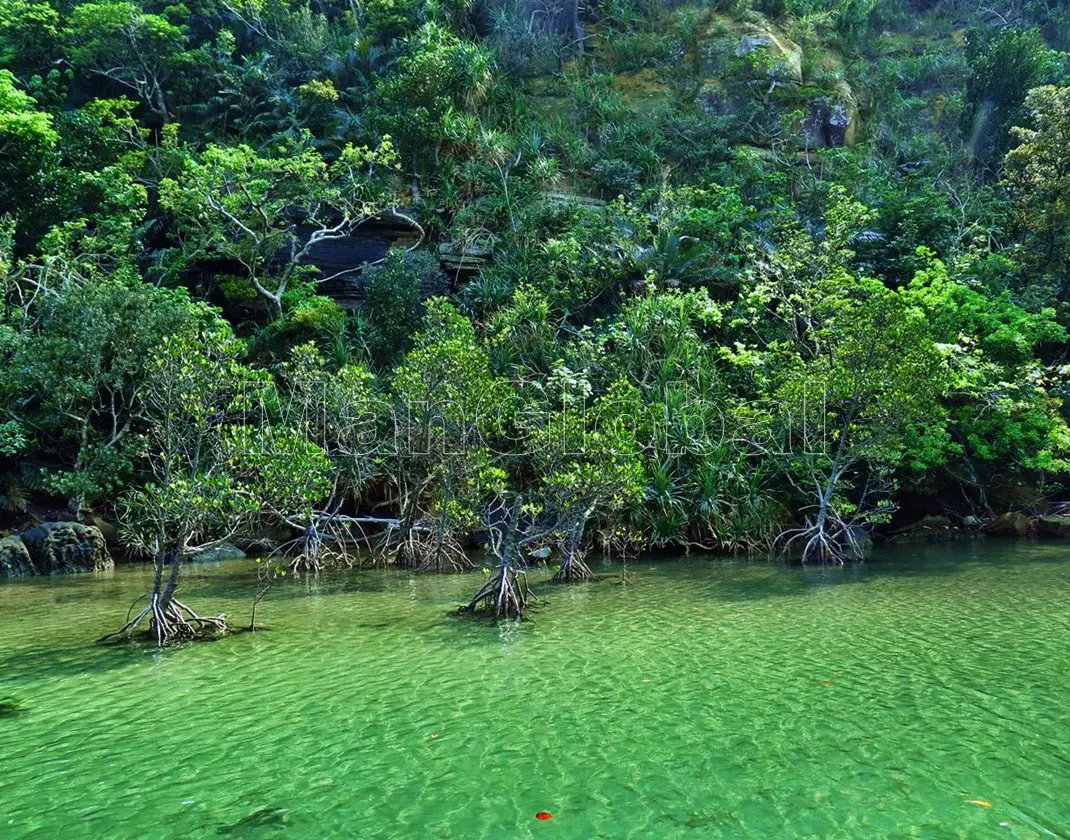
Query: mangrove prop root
column 405, row 555
column 573, row 569
column 171, row 622
column 818, row 543
column 505, row 594
column 431, row 551
column 442, row 553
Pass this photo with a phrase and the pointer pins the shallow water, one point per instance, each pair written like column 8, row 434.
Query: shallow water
column 709, row 698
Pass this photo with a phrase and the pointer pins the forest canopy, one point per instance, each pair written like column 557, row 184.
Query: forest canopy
column 423, row 276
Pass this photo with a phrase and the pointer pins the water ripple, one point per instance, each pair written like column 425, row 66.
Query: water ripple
column 920, row 697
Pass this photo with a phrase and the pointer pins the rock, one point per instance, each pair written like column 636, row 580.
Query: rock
column 1011, row 524
column 785, row 57
column 108, row 530
column 222, row 551
column 540, row 553
column 926, row 523
column 15, row 558
column 264, row 539
column 713, row 99
column 926, row 529
column 837, row 123
column 833, row 120
column 1053, row 526
column 58, row 547
column 971, row 521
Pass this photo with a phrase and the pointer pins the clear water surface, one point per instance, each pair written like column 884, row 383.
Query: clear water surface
column 924, row 694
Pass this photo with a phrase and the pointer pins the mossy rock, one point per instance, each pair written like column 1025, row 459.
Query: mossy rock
column 833, row 119
column 785, row 57
column 109, row 530
column 223, row 551
column 1012, row 524
column 642, row 90
column 926, row 529
column 61, row 547
column 1056, row 527
column 15, row 558
column 714, row 98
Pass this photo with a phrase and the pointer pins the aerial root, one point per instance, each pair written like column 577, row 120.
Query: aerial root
column 505, row 594
column 431, row 551
column 818, row 544
column 573, row 569
column 170, row 623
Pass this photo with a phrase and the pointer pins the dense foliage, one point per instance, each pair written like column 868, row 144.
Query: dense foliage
column 733, row 275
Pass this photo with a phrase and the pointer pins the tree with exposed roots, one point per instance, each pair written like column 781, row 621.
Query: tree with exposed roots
column 448, row 408
column 867, row 388
column 589, row 464
column 510, row 530
column 214, row 472
column 342, row 413
column 851, row 376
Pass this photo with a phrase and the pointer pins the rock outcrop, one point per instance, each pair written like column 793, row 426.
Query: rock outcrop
column 1053, row 526
column 15, row 558
column 1012, row 524
column 926, row 529
column 784, row 57
column 58, row 547
column 833, row 120
column 109, row 530
column 222, row 551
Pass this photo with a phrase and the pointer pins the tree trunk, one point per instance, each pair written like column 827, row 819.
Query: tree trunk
column 573, row 568
column 174, row 560
column 575, row 28
column 405, row 555
column 819, row 536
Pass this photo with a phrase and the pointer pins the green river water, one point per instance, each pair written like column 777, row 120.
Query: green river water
column 709, row 698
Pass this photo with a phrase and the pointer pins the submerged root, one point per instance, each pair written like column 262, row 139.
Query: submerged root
column 406, row 554
column 170, row 623
column 445, row 554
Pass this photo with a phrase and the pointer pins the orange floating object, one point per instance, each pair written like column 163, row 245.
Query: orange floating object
column 984, row 803
column 433, row 735
column 826, row 682
column 544, row 815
